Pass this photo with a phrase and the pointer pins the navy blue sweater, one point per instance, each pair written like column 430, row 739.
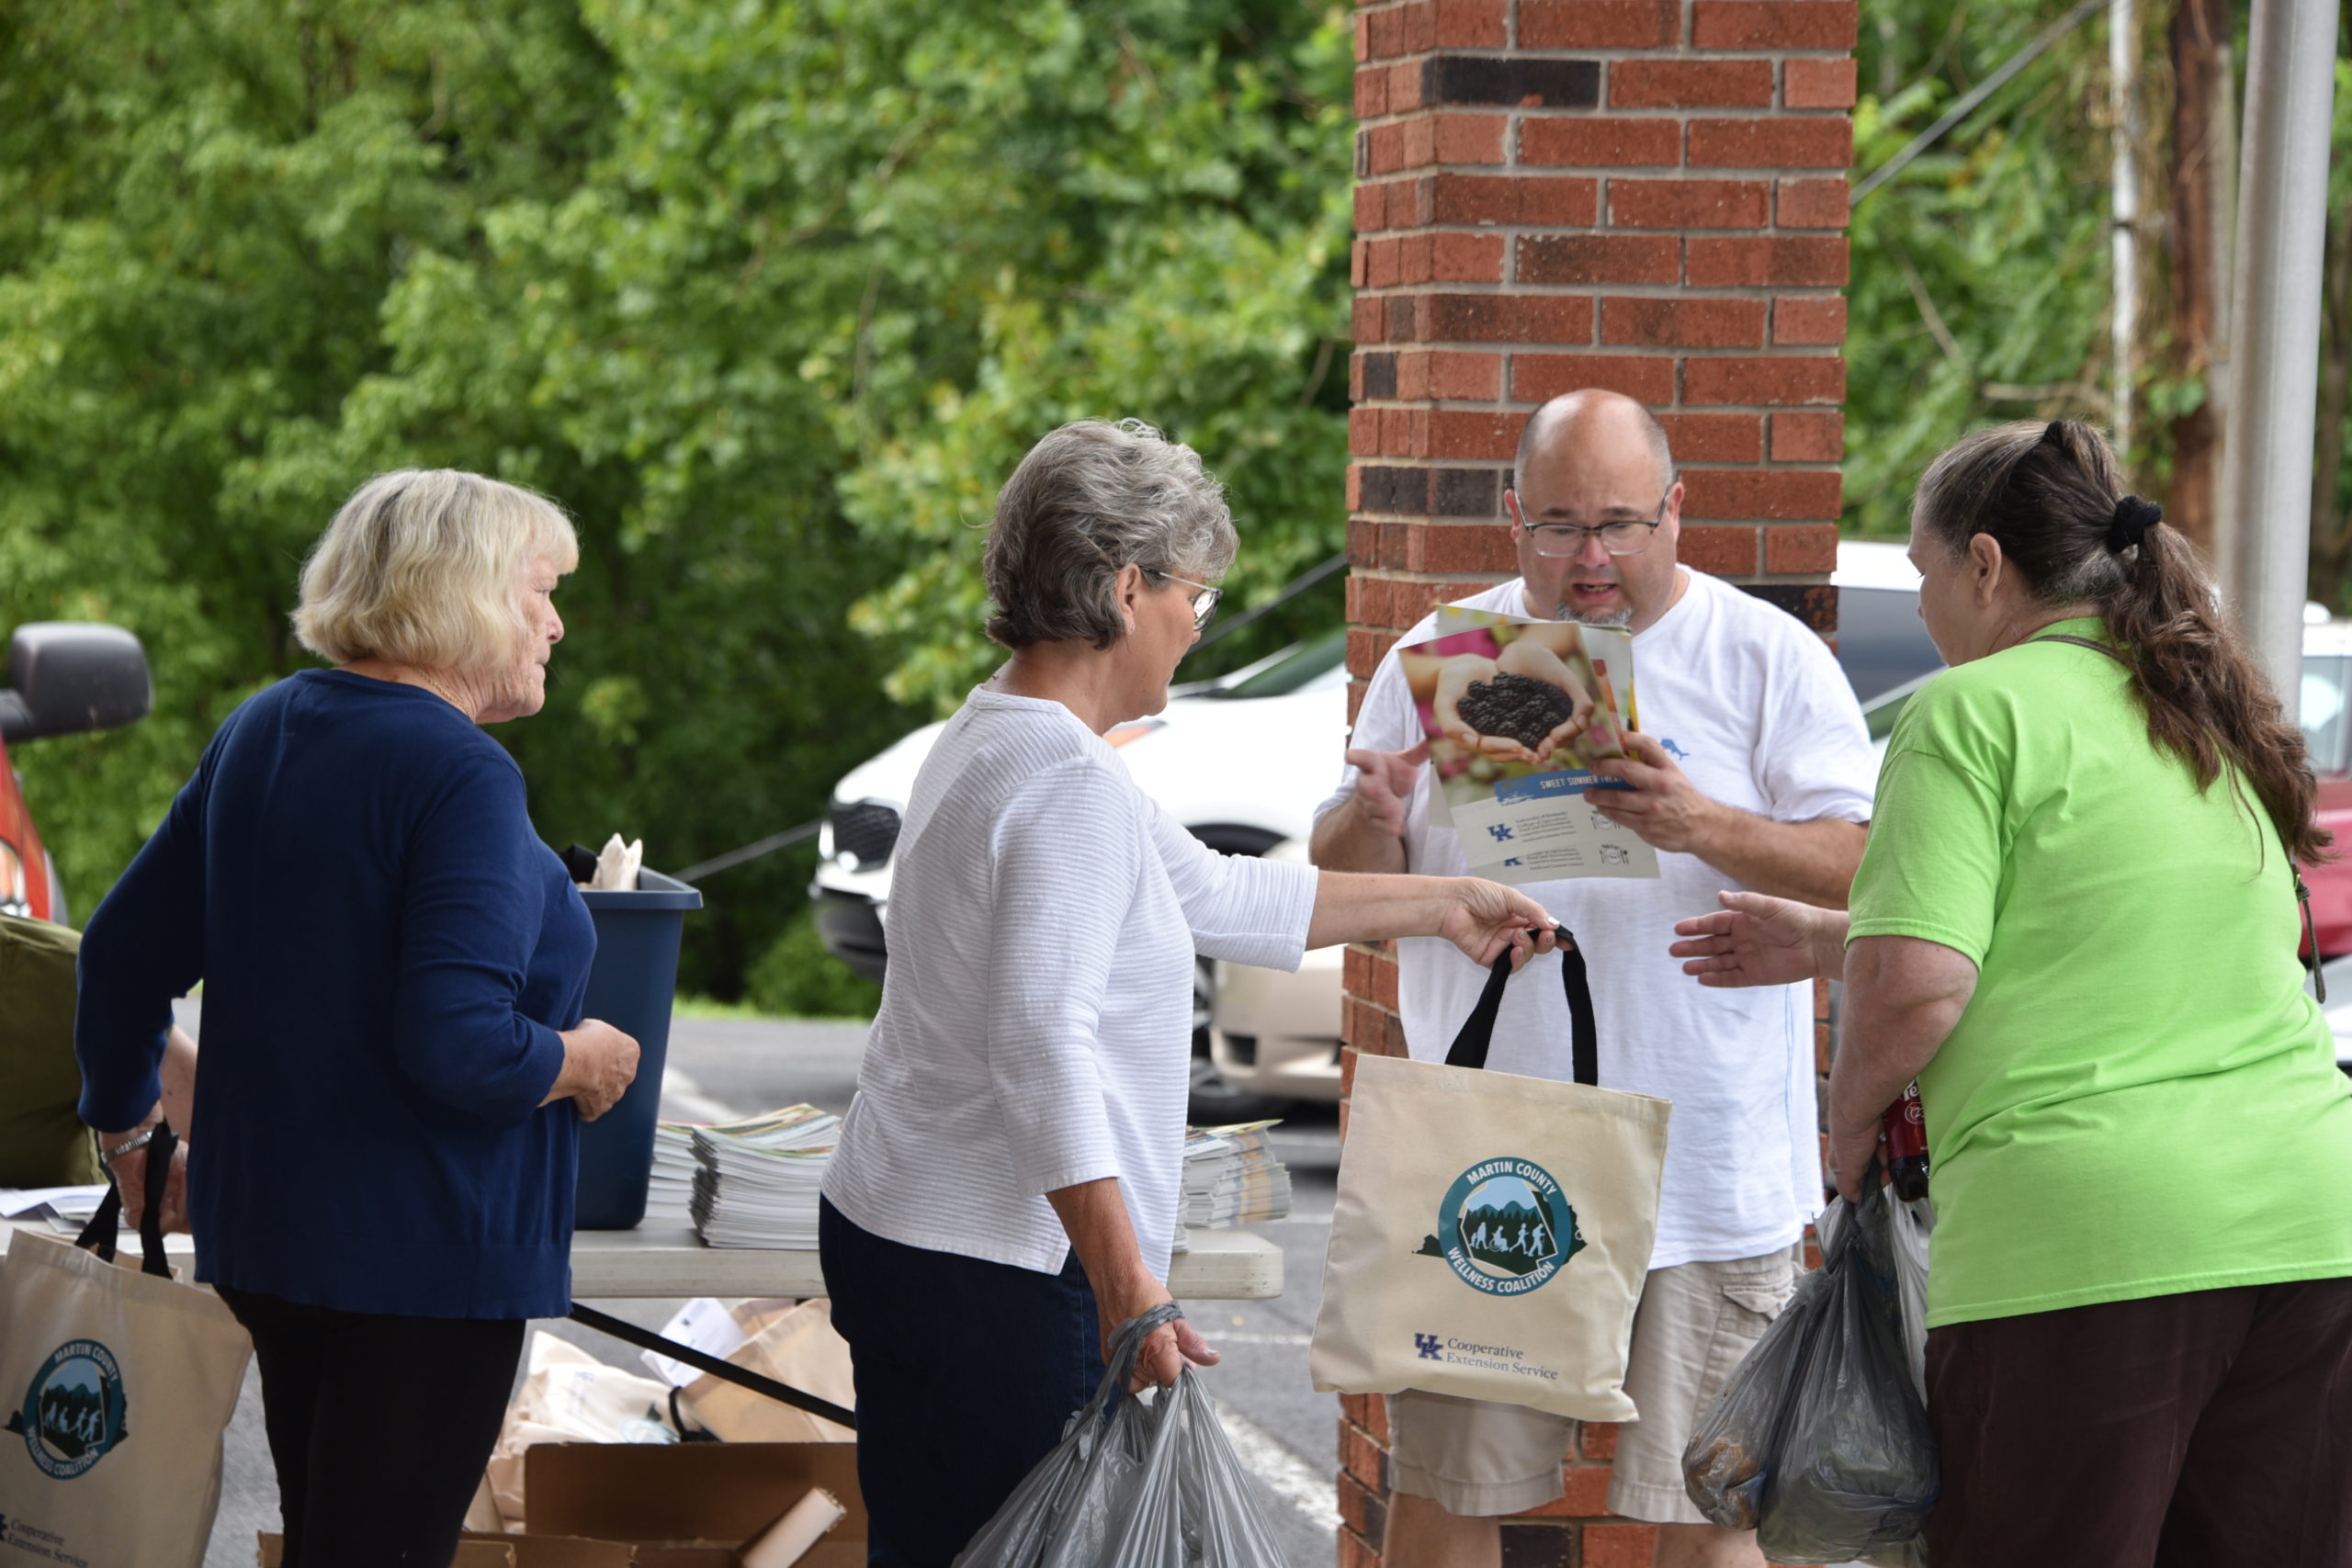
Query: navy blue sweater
column 388, row 951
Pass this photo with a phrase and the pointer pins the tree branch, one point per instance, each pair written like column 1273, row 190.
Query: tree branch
column 1927, row 311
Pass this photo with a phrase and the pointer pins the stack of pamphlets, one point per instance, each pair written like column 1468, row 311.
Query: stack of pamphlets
column 1231, row 1178
column 670, row 1189
column 670, row 1193
column 65, row 1209
column 755, row 1181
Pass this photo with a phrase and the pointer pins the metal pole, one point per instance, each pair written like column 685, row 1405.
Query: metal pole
column 2124, row 94
column 2273, row 335
column 2221, row 378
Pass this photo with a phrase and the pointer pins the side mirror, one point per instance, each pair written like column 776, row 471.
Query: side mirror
column 70, row 676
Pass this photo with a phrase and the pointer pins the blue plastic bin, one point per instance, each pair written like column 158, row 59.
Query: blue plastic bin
column 629, row 988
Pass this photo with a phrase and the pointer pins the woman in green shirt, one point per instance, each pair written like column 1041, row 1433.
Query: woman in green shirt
column 2075, row 926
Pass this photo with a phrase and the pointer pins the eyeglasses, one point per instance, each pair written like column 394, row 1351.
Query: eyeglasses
column 1204, row 601
column 1558, row 541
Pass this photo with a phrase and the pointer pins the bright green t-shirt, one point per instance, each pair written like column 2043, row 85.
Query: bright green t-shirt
column 2142, row 1098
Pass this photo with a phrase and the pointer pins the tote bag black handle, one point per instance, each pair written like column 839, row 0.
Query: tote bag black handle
column 98, row 1235
column 1470, row 1046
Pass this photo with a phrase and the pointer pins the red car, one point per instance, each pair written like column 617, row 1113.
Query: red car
column 64, row 677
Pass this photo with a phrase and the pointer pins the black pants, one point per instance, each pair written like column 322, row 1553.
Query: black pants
column 2211, row 1430
column 967, row 1373
column 380, row 1425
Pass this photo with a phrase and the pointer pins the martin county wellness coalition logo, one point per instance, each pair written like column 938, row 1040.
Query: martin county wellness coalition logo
column 1505, row 1227
column 73, row 1412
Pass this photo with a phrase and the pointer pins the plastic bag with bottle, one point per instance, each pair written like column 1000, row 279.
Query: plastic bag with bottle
column 1820, row 1441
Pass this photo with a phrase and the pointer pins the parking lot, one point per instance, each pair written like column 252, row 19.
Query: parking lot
column 1284, row 1430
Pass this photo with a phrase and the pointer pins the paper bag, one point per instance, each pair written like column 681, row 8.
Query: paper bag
column 801, row 1349
column 1492, row 1232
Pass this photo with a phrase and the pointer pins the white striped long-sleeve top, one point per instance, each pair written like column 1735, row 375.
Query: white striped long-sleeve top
column 1035, row 1027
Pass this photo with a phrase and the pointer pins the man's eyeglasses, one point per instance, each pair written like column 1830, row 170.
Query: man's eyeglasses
column 1204, row 597
column 1558, row 541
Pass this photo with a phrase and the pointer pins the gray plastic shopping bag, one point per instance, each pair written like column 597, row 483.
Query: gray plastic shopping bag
column 1147, row 1481
column 1819, row 1442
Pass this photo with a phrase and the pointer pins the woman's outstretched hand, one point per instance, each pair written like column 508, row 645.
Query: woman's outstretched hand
column 1759, row 941
column 1484, row 917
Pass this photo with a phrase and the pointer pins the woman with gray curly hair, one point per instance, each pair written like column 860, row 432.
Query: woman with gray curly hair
column 1009, row 1174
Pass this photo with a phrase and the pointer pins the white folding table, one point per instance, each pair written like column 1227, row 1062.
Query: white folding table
column 658, row 1261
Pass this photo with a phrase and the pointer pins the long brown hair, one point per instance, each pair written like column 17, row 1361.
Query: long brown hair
column 2050, row 496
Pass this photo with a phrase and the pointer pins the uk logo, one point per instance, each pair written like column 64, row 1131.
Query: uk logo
column 1426, row 1345
column 1501, row 832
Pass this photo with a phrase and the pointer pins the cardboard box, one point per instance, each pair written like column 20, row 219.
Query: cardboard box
column 690, row 1504
column 510, row 1551
column 663, row 1506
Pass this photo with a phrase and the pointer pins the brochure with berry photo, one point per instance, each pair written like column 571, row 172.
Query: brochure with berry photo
column 1516, row 712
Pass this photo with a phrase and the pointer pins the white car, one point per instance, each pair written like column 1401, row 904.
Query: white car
column 1243, row 763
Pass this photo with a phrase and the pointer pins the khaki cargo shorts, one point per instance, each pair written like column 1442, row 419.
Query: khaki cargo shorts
column 1695, row 1322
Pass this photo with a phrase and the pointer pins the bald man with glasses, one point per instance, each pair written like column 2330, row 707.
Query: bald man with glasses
column 1753, row 770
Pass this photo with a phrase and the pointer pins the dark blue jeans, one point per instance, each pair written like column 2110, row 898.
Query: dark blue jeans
column 967, row 1373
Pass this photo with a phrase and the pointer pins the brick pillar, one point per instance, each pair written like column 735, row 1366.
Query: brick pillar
column 1642, row 194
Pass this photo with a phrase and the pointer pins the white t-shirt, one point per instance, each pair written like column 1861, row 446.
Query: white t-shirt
column 1753, row 707
column 1037, row 1020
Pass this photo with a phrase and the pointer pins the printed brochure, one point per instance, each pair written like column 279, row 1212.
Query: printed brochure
column 1517, row 711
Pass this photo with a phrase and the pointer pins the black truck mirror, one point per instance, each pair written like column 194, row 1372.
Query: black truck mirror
column 66, row 677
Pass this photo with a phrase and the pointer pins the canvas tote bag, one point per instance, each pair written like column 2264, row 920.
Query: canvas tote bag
column 117, row 1386
column 1492, row 1232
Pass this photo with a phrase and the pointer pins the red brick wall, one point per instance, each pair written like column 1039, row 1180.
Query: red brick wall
column 1643, row 195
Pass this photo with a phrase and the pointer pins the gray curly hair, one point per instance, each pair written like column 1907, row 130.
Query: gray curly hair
column 1088, row 500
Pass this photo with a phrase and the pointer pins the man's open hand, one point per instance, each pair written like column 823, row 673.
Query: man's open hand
column 1385, row 784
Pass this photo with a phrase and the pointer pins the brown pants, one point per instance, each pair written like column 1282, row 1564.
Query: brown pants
column 2205, row 1430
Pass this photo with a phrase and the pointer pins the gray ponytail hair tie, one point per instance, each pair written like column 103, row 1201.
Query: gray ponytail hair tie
column 2133, row 518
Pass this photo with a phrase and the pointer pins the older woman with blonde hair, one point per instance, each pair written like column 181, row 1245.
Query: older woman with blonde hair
column 394, row 1063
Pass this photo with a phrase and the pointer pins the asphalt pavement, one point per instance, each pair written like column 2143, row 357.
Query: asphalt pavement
column 1285, row 1432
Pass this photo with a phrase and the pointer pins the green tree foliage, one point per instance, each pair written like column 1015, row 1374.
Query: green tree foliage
column 770, row 296
column 1981, row 272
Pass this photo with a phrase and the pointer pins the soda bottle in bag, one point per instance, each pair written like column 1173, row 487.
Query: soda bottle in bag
column 1905, row 1125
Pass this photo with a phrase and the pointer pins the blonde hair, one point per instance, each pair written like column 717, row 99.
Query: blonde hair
column 420, row 567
